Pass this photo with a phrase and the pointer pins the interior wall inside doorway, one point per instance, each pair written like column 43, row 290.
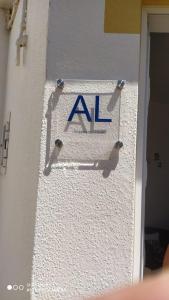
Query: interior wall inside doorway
column 157, row 191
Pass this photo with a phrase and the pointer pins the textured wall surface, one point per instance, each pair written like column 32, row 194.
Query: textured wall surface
column 18, row 189
column 84, row 232
column 77, row 237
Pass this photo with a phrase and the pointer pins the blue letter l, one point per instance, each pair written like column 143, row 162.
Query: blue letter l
column 97, row 118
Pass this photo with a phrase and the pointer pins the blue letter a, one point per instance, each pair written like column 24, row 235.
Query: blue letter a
column 75, row 109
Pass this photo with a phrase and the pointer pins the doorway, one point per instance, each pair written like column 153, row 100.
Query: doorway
column 156, row 235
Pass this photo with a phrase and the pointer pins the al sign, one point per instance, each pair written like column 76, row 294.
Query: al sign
column 84, row 115
column 85, row 110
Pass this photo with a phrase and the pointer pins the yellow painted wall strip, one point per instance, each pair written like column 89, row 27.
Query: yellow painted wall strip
column 122, row 16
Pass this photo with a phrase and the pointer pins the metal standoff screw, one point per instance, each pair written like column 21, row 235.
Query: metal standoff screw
column 121, row 84
column 59, row 143
column 119, row 145
column 60, row 83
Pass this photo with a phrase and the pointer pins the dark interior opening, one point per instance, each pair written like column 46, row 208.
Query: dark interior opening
column 157, row 189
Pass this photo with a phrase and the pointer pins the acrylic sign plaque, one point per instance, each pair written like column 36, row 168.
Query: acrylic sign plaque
column 84, row 116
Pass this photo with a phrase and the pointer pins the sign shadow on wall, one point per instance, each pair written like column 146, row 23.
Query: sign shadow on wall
column 54, row 147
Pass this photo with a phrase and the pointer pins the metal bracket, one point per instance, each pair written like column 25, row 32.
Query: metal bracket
column 4, row 147
column 119, row 145
column 60, row 83
column 121, row 84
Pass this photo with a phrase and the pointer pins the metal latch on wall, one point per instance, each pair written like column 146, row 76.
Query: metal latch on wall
column 22, row 40
column 4, row 147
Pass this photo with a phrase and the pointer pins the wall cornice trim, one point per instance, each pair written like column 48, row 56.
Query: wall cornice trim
column 6, row 4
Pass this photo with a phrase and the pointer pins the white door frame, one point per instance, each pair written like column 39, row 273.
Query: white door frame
column 141, row 165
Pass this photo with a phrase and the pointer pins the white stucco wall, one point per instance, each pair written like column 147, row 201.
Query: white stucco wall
column 84, row 233
column 18, row 189
column 76, row 238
